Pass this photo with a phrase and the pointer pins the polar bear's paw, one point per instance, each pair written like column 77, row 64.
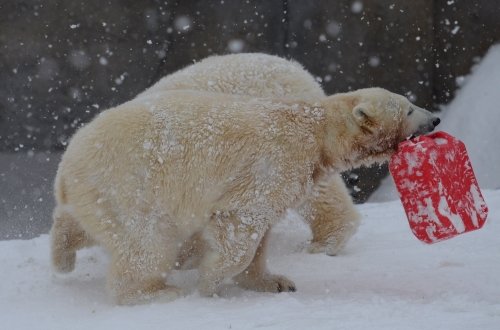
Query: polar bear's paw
column 268, row 283
column 335, row 241
column 331, row 247
column 155, row 291
column 168, row 295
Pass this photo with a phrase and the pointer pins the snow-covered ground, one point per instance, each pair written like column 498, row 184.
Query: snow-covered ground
column 385, row 279
column 473, row 117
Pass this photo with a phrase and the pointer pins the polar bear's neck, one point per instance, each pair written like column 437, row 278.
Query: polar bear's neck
column 338, row 149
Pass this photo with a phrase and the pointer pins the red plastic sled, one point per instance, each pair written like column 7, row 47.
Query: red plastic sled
column 437, row 187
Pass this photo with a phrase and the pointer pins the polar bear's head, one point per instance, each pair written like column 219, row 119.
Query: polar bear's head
column 378, row 121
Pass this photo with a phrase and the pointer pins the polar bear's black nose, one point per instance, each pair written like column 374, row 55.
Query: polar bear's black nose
column 436, row 122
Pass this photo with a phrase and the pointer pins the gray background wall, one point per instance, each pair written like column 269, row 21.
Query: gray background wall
column 61, row 62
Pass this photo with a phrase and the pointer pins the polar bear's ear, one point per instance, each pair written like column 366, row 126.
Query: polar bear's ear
column 362, row 111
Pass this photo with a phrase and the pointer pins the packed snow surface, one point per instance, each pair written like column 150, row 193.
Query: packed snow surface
column 385, row 279
column 473, row 117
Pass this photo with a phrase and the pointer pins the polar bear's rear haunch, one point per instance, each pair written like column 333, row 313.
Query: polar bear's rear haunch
column 144, row 177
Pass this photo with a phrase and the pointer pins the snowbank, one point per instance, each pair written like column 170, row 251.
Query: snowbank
column 386, row 279
column 474, row 117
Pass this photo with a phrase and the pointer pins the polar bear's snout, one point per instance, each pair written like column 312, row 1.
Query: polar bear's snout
column 428, row 127
column 422, row 121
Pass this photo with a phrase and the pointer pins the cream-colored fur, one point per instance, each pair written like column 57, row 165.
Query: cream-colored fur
column 330, row 211
column 252, row 74
column 145, row 177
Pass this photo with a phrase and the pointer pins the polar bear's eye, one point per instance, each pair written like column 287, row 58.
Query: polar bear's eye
column 410, row 111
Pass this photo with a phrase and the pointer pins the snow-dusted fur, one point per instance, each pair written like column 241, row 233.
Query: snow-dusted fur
column 330, row 211
column 252, row 74
column 146, row 176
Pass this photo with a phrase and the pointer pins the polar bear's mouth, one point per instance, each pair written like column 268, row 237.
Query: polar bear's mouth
column 410, row 137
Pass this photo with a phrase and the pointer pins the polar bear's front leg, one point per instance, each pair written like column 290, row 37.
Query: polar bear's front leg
column 233, row 240
column 231, row 249
column 256, row 277
column 331, row 215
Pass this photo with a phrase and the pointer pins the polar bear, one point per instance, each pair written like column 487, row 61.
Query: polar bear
column 146, row 176
column 330, row 212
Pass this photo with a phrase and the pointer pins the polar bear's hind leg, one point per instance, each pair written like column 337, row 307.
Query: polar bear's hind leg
column 67, row 237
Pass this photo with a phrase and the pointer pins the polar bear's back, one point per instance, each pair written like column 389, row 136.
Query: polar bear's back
column 158, row 148
column 252, row 74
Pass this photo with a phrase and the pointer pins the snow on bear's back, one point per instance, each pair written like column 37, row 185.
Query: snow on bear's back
column 253, row 74
column 153, row 149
